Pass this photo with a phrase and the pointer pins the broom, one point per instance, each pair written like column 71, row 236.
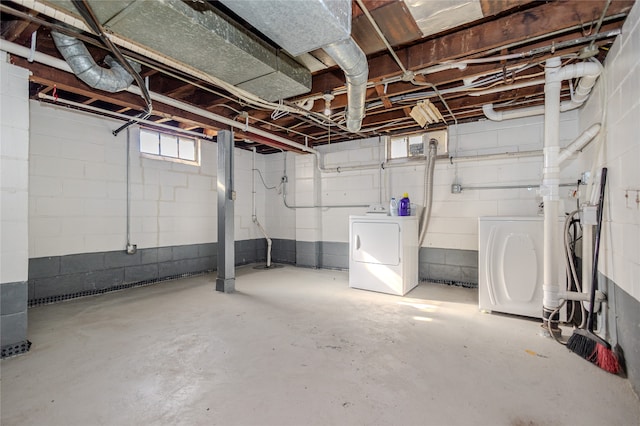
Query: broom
column 586, row 343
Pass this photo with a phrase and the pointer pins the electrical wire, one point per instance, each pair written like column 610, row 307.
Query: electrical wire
column 276, row 187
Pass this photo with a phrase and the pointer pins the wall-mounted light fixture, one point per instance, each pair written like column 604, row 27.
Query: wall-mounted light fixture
column 426, row 113
column 328, row 97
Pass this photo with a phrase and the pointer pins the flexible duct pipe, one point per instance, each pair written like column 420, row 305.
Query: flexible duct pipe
column 353, row 62
column 254, row 216
column 113, row 79
column 428, row 190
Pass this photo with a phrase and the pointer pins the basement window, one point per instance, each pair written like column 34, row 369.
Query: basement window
column 415, row 145
column 167, row 146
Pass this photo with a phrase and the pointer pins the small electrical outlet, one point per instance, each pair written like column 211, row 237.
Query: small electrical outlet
column 585, row 177
column 456, row 188
column 132, row 248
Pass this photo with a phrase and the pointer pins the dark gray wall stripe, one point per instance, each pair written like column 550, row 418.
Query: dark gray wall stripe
column 624, row 313
column 13, row 313
column 63, row 277
column 459, row 267
column 308, row 254
column 13, row 297
column 50, row 277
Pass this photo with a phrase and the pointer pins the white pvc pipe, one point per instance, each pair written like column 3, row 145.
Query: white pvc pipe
column 39, row 57
column 554, row 75
column 588, row 73
column 550, row 189
column 579, row 143
column 494, row 115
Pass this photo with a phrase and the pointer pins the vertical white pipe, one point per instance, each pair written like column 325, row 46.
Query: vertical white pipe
column 550, row 185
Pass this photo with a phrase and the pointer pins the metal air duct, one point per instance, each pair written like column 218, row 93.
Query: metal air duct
column 302, row 26
column 194, row 34
column 113, row 79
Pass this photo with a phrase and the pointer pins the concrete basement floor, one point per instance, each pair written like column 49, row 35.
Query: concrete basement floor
column 299, row 347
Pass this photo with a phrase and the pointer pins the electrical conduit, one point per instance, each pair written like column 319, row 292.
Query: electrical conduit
column 254, row 216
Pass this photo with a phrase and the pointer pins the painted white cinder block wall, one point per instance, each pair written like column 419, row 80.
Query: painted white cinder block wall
column 618, row 94
column 454, row 222
column 14, row 172
column 77, row 193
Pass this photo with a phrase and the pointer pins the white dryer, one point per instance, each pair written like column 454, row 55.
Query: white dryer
column 510, row 269
column 383, row 253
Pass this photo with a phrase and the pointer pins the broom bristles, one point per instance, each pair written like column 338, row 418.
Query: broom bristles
column 590, row 349
column 607, row 360
column 582, row 346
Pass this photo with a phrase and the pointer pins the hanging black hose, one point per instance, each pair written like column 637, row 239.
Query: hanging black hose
column 586, row 343
column 92, row 21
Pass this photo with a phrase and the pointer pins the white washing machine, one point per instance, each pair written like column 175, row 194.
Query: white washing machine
column 510, row 269
column 383, row 253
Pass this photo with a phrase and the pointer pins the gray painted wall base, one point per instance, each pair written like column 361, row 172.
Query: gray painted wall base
column 81, row 274
column 623, row 317
column 450, row 266
column 94, row 273
column 13, row 313
column 76, row 275
column 458, row 267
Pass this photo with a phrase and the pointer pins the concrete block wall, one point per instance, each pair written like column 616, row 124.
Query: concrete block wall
column 60, row 277
column 77, row 207
column 618, row 94
column 449, row 252
column 14, row 213
column 279, row 220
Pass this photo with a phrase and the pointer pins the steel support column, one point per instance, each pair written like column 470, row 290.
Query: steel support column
column 226, row 196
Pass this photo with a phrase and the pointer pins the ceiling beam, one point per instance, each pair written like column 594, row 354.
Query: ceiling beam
column 514, row 28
